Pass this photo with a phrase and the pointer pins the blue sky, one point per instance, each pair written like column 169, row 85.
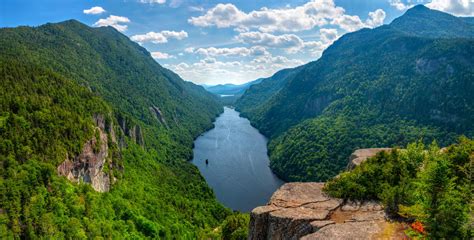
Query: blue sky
column 225, row 41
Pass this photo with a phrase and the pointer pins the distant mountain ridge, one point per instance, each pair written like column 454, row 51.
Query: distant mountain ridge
column 230, row 89
column 382, row 87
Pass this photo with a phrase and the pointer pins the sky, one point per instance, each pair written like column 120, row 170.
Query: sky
column 214, row 41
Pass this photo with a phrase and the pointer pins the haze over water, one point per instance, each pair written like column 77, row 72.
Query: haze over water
column 238, row 168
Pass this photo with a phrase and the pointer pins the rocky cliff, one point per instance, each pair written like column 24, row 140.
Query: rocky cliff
column 303, row 211
column 360, row 155
column 88, row 166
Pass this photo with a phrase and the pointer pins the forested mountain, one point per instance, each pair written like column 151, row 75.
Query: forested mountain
column 258, row 94
column 409, row 80
column 93, row 106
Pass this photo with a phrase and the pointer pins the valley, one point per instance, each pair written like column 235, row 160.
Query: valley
column 237, row 167
column 371, row 136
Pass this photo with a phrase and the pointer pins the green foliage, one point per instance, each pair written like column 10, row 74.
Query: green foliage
column 379, row 87
column 235, row 227
column 320, row 147
column 54, row 79
column 418, row 184
column 258, row 94
column 43, row 114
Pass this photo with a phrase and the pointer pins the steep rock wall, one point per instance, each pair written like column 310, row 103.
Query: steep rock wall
column 304, row 211
column 88, row 166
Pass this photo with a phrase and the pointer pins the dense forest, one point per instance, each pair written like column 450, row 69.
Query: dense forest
column 429, row 187
column 56, row 79
column 381, row 87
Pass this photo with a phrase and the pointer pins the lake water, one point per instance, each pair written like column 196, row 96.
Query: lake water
column 238, row 168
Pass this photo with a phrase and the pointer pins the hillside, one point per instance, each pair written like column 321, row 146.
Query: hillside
column 91, row 105
column 418, row 192
column 377, row 87
column 258, row 94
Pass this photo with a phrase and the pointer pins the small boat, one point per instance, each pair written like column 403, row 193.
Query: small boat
column 207, row 161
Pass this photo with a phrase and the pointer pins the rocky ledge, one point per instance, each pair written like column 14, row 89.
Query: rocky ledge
column 360, row 155
column 88, row 166
column 304, row 211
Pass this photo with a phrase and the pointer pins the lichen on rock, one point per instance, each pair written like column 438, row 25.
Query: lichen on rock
column 303, row 210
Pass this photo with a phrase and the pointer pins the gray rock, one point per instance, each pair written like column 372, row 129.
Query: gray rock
column 349, row 231
column 303, row 210
column 88, row 166
column 317, row 225
column 360, row 155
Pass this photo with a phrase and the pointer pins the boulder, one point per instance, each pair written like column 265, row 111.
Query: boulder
column 360, row 155
column 304, row 211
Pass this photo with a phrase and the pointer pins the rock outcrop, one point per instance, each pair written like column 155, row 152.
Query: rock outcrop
column 304, row 211
column 89, row 165
column 360, row 155
column 159, row 115
column 129, row 129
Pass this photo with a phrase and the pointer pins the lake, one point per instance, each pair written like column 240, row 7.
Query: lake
column 238, row 170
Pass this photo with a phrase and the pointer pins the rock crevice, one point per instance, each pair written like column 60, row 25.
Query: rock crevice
column 304, row 211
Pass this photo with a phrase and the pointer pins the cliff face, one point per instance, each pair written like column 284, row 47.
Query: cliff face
column 303, row 211
column 360, row 155
column 89, row 165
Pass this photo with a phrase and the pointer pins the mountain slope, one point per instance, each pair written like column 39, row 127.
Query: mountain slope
column 372, row 88
column 89, row 104
column 423, row 22
column 258, row 94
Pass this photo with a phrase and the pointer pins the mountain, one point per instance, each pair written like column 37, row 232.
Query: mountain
column 94, row 139
column 423, row 22
column 381, row 87
column 258, row 94
column 230, row 89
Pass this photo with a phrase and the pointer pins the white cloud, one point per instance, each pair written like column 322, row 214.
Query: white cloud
column 348, row 23
column 94, row 10
column 354, row 23
column 376, row 18
column 400, row 5
column 210, row 70
column 161, row 55
column 189, row 50
column 152, row 1
column 291, row 42
column 237, row 51
column 196, row 9
column 160, row 37
column 113, row 21
column 455, row 7
column 222, row 15
column 305, row 17
column 278, row 60
column 315, row 48
column 175, row 3
column 328, row 35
